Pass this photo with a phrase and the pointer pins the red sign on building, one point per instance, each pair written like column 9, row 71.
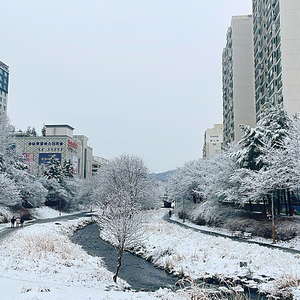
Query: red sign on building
column 72, row 145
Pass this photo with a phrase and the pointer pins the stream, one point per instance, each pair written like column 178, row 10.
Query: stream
column 139, row 273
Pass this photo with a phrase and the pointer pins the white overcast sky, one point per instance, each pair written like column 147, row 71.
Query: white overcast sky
column 138, row 76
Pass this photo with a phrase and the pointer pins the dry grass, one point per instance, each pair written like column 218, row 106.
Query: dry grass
column 169, row 264
column 284, row 286
column 197, row 291
column 41, row 245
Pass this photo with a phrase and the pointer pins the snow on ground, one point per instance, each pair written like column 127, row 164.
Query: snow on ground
column 39, row 262
column 45, row 212
column 292, row 244
column 195, row 254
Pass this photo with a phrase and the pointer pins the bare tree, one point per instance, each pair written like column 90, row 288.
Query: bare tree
column 121, row 224
column 123, row 186
column 127, row 173
column 87, row 196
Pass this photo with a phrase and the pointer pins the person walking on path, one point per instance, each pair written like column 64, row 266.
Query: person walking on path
column 12, row 221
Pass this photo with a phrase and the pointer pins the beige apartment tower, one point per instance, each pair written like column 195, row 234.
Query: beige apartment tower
column 238, row 79
column 276, row 33
column 213, row 140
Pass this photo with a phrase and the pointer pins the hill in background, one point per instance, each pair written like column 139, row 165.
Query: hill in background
column 164, row 176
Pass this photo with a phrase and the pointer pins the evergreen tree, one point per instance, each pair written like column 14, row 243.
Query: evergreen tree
column 54, row 169
column 44, row 130
column 33, row 132
column 272, row 128
column 67, row 169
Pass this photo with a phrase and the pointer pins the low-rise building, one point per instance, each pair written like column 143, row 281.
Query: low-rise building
column 58, row 141
column 97, row 163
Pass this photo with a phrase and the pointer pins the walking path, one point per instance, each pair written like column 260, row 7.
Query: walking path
column 198, row 228
column 6, row 230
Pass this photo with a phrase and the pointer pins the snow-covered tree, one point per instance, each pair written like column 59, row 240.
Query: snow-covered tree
column 7, row 140
column 126, row 173
column 44, row 130
column 250, row 147
column 61, row 186
column 87, row 196
column 121, row 223
column 275, row 123
column 67, row 169
column 54, row 170
column 281, row 171
column 9, row 194
column 14, row 170
column 31, row 190
column 30, row 131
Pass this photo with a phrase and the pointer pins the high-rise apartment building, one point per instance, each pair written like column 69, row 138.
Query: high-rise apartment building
column 213, row 140
column 276, row 32
column 238, row 79
column 4, row 77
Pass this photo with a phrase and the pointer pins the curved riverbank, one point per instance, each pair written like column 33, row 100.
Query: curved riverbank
column 141, row 274
column 184, row 251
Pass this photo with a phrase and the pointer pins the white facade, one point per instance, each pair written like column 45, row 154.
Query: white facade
column 60, row 142
column 213, row 140
column 59, row 130
column 276, row 29
column 85, row 164
column 238, row 79
column 98, row 162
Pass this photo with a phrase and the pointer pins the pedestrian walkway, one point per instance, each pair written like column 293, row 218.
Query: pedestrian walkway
column 225, row 234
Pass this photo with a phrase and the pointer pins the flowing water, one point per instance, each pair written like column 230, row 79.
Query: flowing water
column 139, row 273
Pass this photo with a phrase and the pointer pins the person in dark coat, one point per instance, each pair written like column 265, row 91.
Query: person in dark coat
column 12, row 221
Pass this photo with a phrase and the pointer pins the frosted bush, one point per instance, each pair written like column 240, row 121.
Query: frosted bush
column 5, row 214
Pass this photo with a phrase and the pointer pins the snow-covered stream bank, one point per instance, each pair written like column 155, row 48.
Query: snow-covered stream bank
column 198, row 255
column 40, row 262
column 139, row 273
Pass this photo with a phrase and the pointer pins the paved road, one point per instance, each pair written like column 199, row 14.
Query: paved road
column 241, row 240
column 5, row 231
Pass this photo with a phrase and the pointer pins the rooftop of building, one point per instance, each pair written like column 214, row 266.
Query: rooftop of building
column 59, row 126
column 4, row 66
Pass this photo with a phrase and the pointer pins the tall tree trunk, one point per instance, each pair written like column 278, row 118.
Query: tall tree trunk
column 120, row 254
column 285, row 203
column 290, row 203
column 264, row 206
column 251, row 206
column 278, row 202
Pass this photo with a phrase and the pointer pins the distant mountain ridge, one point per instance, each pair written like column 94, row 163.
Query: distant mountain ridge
column 164, row 176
